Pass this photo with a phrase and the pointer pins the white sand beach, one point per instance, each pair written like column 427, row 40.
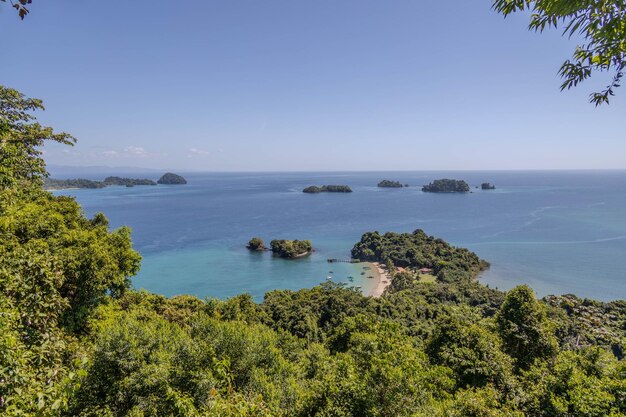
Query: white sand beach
column 382, row 279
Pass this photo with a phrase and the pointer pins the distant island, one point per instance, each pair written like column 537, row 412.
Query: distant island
column 314, row 189
column 446, row 186
column 171, row 179
column 291, row 249
column 391, row 184
column 54, row 184
column 487, row 186
column 256, row 244
column 128, row 182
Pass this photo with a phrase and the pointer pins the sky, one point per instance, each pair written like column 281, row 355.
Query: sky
column 293, row 85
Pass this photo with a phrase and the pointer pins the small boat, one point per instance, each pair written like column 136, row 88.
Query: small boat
column 362, row 273
column 329, row 277
column 350, row 279
column 370, row 276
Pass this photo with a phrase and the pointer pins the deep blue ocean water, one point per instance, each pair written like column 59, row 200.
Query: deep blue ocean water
column 558, row 231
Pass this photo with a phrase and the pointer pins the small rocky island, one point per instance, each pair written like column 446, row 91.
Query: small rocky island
column 291, row 249
column 314, row 189
column 391, row 184
column 487, row 186
column 446, row 186
column 256, row 244
column 171, row 179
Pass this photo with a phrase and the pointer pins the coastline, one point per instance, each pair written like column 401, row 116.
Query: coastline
column 381, row 279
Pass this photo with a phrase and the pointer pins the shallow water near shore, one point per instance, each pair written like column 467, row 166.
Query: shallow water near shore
column 558, row 231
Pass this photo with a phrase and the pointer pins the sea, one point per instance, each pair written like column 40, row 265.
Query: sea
column 561, row 232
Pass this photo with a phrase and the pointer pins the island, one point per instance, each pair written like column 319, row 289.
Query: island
column 171, row 179
column 487, row 186
column 446, row 186
column 256, row 244
column 420, row 253
column 291, row 249
column 128, row 182
column 314, row 189
column 54, row 184
column 391, row 184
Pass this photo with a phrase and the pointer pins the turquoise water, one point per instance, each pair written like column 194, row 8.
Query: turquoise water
column 560, row 232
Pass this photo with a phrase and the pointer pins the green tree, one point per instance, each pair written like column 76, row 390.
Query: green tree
column 601, row 24
column 55, row 267
column 467, row 347
column 21, row 167
column 524, row 328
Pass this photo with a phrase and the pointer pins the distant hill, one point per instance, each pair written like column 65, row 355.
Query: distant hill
column 171, row 179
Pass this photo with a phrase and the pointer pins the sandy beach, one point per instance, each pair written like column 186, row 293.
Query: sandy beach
column 381, row 279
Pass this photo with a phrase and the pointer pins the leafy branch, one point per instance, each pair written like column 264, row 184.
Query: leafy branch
column 600, row 23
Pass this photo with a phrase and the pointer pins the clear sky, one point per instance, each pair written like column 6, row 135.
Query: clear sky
column 275, row 85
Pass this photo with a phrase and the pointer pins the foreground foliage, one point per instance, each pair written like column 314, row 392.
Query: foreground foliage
column 601, row 26
column 75, row 340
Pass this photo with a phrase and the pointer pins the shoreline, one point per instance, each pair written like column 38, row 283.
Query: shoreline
column 381, row 279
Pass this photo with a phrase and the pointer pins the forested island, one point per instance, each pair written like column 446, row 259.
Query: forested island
column 170, row 178
column 77, row 340
column 487, row 186
column 256, row 244
column 314, row 189
column 446, row 186
column 390, row 184
column 128, row 182
column 418, row 250
column 55, row 184
column 291, row 249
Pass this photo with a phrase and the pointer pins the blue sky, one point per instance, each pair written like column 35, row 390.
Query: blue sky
column 306, row 85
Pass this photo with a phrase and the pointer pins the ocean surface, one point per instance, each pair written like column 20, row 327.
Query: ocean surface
column 558, row 231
